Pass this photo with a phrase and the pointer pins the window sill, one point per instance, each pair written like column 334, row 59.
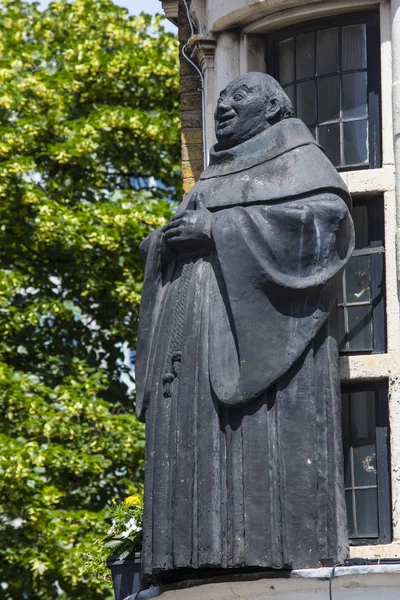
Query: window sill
column 372, row 181
column 376, row 551
column 369, row 366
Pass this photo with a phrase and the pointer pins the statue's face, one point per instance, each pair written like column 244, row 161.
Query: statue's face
column 243, row 110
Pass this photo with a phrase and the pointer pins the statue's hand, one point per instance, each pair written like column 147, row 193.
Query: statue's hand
column 190, row 229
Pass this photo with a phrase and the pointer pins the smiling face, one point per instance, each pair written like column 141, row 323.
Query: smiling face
column 244, row 109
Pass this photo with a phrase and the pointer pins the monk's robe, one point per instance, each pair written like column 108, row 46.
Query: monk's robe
column 237, row 367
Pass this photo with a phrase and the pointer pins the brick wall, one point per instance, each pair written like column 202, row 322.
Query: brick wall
column 191, row 117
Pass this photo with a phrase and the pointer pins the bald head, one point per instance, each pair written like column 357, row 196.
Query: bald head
column 248, row 105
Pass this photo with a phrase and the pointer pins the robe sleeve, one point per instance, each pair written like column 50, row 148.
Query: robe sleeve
column 150, row 250
column 275, row 280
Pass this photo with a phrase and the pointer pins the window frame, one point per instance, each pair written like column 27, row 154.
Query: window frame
column 376, row 252
column 372, row 20
column 382, row 429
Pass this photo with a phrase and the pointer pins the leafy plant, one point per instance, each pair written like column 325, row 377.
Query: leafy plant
column 89, row 165
column 124, row 537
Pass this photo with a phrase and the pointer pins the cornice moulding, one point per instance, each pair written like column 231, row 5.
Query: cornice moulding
column 202, row 50
column 170, row 8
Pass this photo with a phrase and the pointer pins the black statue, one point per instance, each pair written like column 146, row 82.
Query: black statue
column 237, row 361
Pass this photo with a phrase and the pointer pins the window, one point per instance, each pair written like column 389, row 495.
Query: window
column 330, row 70
column 366, row 462
column 362, row 300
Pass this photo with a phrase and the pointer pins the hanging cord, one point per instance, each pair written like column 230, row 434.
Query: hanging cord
column 138, row 593
column 332, row 575
column 203, row 97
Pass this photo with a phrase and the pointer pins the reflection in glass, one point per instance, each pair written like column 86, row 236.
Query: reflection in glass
column 364, row 458
column 329, row 138
column 358, row 279
column 286, row 67
column 367, row 513
column 328, row 51
column 305, row 60
column 350, row 518
column 355, row 142
column 328, row 99
column 360, row 328
column 354, row 86
column 354, row 47
column 363, row 415
column 306, row 103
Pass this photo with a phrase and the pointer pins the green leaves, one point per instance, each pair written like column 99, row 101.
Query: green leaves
column 89, row 165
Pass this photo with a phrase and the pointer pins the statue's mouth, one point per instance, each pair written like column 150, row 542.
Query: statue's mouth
column 225, row 119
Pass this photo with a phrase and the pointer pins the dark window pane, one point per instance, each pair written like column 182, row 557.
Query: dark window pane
column 342, row 330
column 360, row 219
column 350, row 519
column 329, row 138
column 286, row 61
column 355, row 142
column 363, row 415
column 348, row 482
column 360, row 328
column 345, row 417
column 354, row 87
column 358, row 279
column 289, row 90
column 327, row 51
column 364, row 465
column 367, row 513
column 305, row 56
column 354, row 47
column 306, row 102
column 328, row 99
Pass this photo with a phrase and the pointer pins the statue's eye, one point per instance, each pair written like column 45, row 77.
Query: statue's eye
column 238, row 97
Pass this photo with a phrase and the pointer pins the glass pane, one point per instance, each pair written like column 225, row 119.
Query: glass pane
column 367, row 513
column 345, row 417
column 350, row 519
column 355, row 142
column 286, row 61
column 327, row 51
column 354, row 87
column 358, row 279
column 362, row 415
column 289, row 90
column 354, row 47
column 306, row 102
column 360, row 219
column 342, row 339
column 364, row 465
column 305, row 63
column 329, row 138
column 328, row 99
column 348, row 483
column 360, row 328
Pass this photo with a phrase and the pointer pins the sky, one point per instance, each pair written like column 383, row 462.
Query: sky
column 150, row 6
column 135, row 7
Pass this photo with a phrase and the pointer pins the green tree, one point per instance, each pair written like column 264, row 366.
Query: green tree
column 89, row 164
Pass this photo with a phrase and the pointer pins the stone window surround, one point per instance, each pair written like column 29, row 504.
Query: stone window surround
column 225, row 54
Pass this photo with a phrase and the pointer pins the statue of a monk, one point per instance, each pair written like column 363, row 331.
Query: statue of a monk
column 237, row 360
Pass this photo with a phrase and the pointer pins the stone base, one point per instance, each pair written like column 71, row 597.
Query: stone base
column 349, row 583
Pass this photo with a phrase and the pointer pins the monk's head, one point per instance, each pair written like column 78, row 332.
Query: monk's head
column 248, row 105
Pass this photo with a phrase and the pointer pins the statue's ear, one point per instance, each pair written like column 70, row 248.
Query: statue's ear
column 272, row 108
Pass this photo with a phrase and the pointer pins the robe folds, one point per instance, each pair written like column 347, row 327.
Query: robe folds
column 237, row 367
